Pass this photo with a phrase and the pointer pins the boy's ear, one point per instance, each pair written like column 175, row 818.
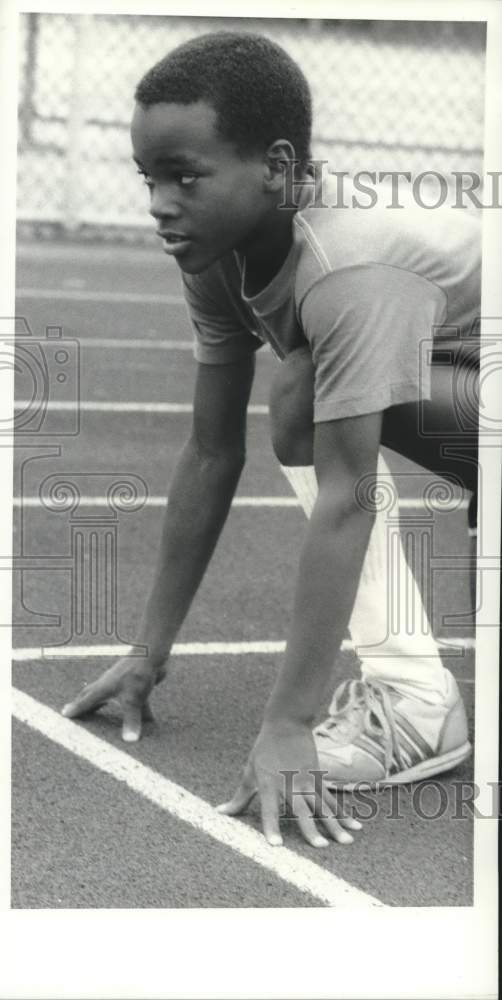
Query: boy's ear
column 280, row 159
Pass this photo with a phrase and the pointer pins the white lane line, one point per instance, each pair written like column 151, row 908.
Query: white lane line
column 143, row 345
column 97, row 295
column 265, row 647
column 160, row 501
column 95, row 406
column 152, row 345
column 296, row 871
column 179, row 649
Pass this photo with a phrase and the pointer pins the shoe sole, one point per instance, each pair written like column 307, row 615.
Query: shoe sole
column 435, row 765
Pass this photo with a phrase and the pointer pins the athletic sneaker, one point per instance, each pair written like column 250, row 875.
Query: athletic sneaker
column 376, row 736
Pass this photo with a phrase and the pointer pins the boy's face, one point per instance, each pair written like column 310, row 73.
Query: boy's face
column 206, row 199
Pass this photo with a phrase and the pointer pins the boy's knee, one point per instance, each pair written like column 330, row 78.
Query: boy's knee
column 292, row 409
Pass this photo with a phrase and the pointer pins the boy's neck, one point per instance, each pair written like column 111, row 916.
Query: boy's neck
column 265, row 253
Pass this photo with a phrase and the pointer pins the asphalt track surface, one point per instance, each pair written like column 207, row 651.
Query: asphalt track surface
column 83, row 836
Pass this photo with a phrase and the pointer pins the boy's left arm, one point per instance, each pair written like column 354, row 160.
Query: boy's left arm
column 345, row 450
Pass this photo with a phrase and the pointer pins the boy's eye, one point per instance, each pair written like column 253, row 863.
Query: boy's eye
column 146, row 178
column 187, row 180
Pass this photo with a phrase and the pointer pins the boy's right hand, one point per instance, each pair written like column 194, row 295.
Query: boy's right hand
column 129, row 682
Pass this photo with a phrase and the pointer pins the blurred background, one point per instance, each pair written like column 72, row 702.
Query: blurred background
column 388, row 95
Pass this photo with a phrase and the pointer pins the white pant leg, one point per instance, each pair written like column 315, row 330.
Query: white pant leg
column 387, row 650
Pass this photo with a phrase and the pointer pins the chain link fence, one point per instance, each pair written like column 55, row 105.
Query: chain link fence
column 387, row 96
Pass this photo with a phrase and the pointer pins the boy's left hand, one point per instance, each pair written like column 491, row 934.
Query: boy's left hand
column 286, row 746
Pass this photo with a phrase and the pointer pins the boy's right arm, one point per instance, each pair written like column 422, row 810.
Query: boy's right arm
column 200, row 496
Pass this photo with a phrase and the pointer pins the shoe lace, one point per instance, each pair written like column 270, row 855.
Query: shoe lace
column 363, row 707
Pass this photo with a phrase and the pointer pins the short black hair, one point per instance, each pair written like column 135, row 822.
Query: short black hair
column 257, row 90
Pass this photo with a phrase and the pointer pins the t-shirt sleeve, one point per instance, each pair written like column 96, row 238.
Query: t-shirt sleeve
column 221, row 329
column 369, row 328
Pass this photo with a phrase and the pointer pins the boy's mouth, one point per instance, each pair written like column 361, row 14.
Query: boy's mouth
column 173, row 242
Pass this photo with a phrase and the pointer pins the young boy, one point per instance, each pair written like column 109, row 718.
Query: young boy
column 221, row 135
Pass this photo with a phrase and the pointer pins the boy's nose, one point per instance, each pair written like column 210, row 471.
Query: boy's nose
column 163, row 206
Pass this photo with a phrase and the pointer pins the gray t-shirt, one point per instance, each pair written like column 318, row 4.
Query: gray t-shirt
column 367, row 289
